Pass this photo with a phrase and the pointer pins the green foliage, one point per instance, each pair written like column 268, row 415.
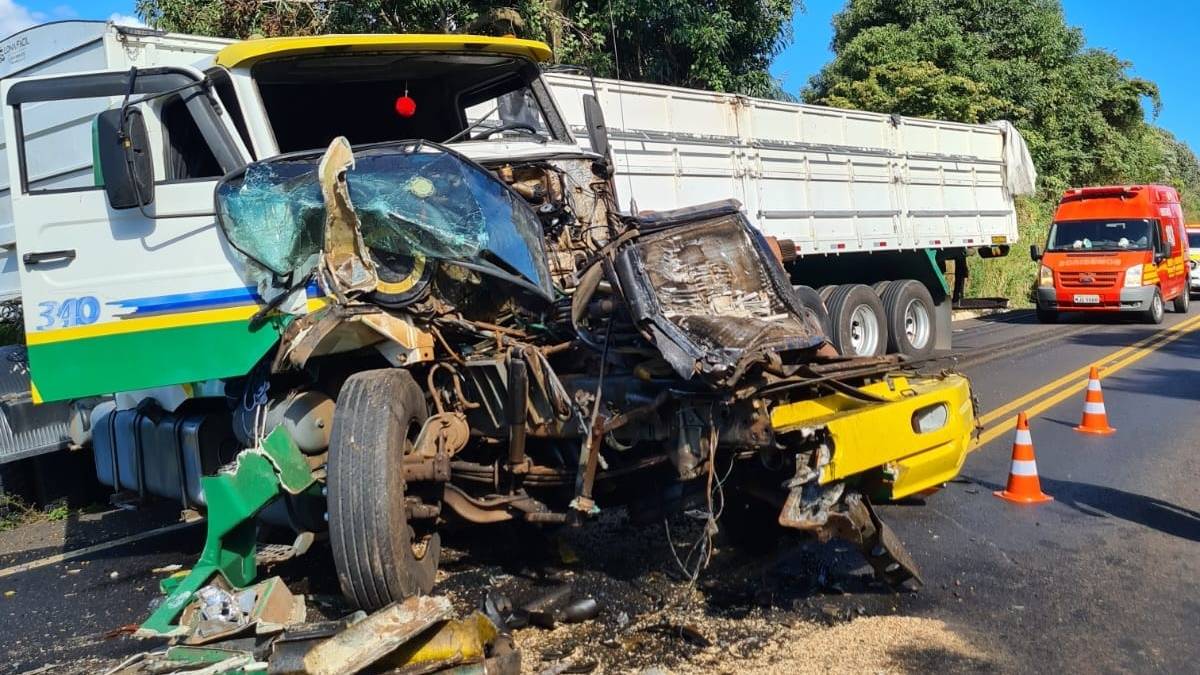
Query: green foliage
column 722, row 45
column 1013, row 276
column 15, row 512
column 1081, row 112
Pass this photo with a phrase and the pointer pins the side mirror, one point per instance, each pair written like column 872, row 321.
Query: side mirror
column 126, row 163
column 597, row 130
column 1035, row 253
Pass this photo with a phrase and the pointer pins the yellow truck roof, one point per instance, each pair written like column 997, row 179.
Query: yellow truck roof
column 249, row 51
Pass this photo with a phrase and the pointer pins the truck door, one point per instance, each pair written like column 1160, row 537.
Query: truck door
column 1167, row 250
column 137, row 296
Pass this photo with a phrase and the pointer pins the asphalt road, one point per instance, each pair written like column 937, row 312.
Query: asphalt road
column 1103, row 579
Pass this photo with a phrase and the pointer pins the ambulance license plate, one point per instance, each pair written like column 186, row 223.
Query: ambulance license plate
column 1087, row 299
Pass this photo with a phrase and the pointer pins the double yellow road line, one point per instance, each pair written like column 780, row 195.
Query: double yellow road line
column 1004, row 418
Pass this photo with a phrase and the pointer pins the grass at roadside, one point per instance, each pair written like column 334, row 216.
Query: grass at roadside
column 1013, row 276
column 15, row 512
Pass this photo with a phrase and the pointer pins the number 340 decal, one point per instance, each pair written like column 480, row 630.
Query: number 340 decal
column 70, row 312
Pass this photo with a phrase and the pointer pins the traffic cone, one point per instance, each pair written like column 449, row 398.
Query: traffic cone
column 1095, row 419
column 1023, row 484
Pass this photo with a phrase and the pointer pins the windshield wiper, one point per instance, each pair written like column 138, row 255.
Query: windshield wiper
column 472, row 127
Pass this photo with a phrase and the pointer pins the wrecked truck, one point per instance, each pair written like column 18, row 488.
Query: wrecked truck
column 387, row 256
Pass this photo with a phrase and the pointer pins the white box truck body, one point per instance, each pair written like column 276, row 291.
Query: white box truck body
column 832, row 181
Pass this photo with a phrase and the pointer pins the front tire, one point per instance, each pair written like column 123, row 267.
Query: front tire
column 1154, row 315
column 1183, row 301
column 1047, row 315
column 378, row 556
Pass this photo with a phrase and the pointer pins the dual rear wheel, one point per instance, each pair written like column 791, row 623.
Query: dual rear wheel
column 889, row 317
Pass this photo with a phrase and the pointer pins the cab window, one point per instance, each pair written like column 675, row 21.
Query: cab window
column 371, row 98
column 186, row 155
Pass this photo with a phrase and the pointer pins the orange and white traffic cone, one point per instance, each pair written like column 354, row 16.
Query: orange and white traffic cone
column 1023, row 484
column 1095, row 418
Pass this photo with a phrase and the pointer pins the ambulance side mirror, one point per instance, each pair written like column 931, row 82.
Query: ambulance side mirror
column 1035, row 253
column 126, row 161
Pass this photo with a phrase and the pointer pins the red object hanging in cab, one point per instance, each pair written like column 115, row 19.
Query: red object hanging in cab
column 406, row 106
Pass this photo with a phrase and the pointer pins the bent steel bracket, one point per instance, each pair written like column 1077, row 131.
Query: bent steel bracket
column 234, row 500
column 345, row 265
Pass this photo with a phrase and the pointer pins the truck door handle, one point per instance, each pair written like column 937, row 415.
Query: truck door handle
column 38, row 257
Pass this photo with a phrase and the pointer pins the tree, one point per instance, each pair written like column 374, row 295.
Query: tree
column 723, row 45
column 1082, row 114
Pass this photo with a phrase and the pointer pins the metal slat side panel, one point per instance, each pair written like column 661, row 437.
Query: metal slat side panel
column 833, row 181
column 27, row 430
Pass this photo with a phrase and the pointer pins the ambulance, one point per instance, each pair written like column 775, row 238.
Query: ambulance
column 1115, row 249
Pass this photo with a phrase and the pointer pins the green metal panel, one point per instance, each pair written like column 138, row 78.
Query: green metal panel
column 152, row 358
column 931, row 254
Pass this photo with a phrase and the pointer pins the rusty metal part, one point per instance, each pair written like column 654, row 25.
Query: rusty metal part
column 544, row 476
column 342, row 328
column 551, row 350
column 382, row 633
column 446, row 345
column 441, row 437
column 499, row 508
column 442, row 433
column 464, row 403
column 807, row 506
column 479, row 510
column 346, row 267
column 426, row 471
column 419, row 510
column 583, row 501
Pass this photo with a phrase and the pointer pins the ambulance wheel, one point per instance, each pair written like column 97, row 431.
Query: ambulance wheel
column 910, row 315
column 1182, row 302
column 858, row 321
column 1047, row 315
column 379, row 556
column 1154, row 315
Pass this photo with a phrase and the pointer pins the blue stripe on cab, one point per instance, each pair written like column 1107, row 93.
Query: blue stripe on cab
column 200, row 300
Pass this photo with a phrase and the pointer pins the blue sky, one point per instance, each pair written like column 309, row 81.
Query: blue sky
column 1155, row 37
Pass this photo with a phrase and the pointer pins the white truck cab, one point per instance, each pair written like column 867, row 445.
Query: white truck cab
column 130, row 284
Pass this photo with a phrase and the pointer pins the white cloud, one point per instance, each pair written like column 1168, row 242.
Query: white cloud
column 15, row 16
column 124, row 20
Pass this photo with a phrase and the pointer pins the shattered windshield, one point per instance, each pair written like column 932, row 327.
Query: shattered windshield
column 411, row 198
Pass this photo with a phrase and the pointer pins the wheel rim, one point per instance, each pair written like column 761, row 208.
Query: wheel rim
column 917, row 324
column 864, row 331
column 1158, row 305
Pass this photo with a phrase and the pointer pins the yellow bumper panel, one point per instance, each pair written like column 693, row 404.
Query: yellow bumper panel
column 869, row 435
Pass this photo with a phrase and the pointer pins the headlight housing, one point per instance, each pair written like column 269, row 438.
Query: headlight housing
column 1045, row 277
column 1133, row 277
